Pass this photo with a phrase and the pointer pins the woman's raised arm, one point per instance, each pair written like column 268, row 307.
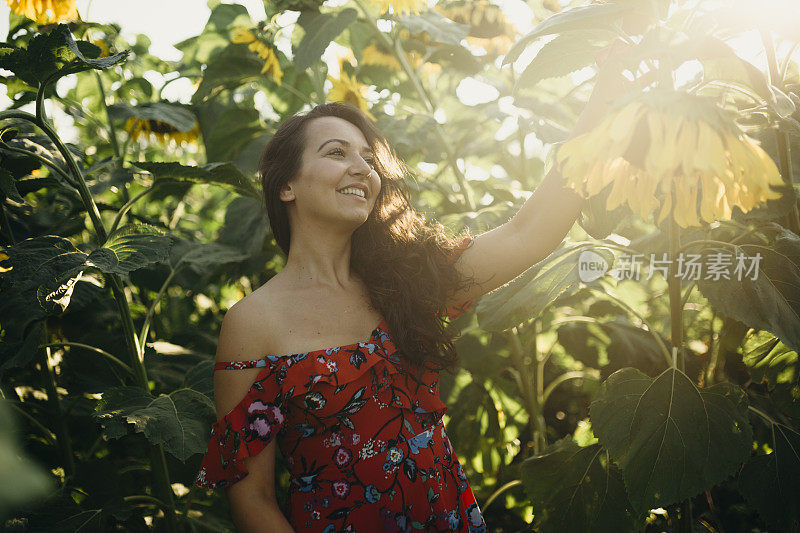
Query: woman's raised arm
column 501, row 254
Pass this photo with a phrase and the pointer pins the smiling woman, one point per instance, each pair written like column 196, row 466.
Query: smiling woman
column 359, row 423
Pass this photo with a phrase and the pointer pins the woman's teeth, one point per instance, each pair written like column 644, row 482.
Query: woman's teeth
column 356, row 192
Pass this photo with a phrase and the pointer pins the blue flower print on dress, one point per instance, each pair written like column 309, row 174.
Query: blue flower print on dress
column 372, row 494
column 475, row 521
column 420, row 441
column 454, row 520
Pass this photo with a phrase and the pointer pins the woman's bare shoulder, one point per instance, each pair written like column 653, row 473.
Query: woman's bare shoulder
column 247, row 326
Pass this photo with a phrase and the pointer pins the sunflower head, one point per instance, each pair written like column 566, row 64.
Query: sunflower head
column 45, row 11
column 162, row 131
column 350, row 91
column 489, row 27
column 400, row 7
column 670, row 153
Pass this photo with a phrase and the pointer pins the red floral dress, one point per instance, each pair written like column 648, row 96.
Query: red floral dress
column 365, row 444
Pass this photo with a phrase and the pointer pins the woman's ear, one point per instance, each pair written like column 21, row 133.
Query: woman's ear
column 286, row 193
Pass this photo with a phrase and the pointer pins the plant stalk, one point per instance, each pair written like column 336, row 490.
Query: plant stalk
column 62, row 432
column 674, row 285
column 792, row 220
column 529, row 386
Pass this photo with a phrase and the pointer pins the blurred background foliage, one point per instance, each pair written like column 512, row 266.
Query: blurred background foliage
column 121, row 251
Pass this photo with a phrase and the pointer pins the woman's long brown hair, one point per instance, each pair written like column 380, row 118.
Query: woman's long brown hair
column 400, row 257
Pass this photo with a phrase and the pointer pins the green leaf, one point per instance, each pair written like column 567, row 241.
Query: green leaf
column 229, row 131
column 719, row 60
column 44, row 273
column 175, row 115
column 232, row 67
column 130, row 248
column 771, row 483
column 440, row 28
column 9, row 187
column 52, row 55
column 671, row 439
column 203, row 255
column 630, row 345
column 180, row 421
column 219, row 173
column 320, row 30
column 770, row 360
column 566, row 53
column 578, row 18
column 771, row 301
column 577, row 489
column 246, row 225
column 529, row 293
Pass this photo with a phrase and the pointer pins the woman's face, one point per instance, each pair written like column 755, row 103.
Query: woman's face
column 336, row 157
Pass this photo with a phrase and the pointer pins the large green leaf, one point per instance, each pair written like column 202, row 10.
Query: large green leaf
column 590, row 17
column 320, row 30
column 180, row 421
column 671, row 439
column 54, row 54
column 771, row 483
column 577, row 489
column 44, row 273
column 440, row 28
column 530, row 292
column 232, row 67
column 218, row 173
column 131, row 247
column 769, row 302
column 566, row 53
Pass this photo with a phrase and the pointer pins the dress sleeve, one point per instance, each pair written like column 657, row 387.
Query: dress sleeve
column 244, row 432
column 457, row 310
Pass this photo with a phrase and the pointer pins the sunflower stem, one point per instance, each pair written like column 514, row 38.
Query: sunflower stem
column 62, row 431
column 781, row 138
column 674, row 285
column 528, row 384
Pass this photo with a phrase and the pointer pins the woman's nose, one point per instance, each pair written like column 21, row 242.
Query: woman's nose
column 360, row 166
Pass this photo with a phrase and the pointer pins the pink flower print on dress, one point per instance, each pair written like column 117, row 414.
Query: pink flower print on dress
column 264, row 418
column 341, row 488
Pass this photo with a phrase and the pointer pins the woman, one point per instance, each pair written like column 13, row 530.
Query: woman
column 358, row 422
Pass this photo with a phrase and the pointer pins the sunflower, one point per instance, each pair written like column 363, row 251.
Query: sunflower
column 489, row 27
column 373, row 55
column 348, row 90
column 267, row 53
column 400, row 6
column 670, row 150
column 142, row 127
column 59, row 10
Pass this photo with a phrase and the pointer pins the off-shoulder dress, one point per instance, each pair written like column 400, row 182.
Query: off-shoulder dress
column 365, row 444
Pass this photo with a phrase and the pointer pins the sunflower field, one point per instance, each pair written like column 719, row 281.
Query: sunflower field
column 644, row 377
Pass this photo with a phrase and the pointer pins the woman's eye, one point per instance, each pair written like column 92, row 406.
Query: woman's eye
column 337, row 151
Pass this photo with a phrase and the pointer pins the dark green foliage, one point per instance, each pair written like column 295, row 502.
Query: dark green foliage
column 671, row 439
column 577, row 489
